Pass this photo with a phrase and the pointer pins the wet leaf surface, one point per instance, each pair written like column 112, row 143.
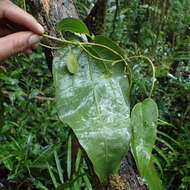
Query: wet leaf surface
column 95, row 107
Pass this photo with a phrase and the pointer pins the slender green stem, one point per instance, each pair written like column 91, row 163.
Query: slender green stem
column 49, row 47
column 153, row 70
column 95, row 57
column 82, row 44
column 59, row 39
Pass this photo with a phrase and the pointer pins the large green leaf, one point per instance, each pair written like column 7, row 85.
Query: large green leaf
column 144, row 118
column 95, row 107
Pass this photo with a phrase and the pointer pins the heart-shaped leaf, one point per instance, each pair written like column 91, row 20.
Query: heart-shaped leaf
column 144, row 118
column 95, row 107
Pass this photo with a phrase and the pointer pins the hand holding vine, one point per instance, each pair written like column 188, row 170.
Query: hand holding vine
column 19, row 31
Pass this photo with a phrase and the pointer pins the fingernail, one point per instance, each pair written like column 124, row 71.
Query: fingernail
column 41, row 29
column 34, row 39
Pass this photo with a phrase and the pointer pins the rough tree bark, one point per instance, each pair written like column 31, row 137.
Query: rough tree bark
column 48, row 13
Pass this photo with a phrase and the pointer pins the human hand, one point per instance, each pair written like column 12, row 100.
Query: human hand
column 24, row 33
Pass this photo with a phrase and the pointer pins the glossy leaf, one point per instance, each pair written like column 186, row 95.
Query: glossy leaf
column 72, row 25
column 95, row 107
column 144, row 118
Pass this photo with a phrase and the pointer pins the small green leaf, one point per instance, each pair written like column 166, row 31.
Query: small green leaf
column 144, row 118
column 72, row 25
column 143, row 122
column 72, row 64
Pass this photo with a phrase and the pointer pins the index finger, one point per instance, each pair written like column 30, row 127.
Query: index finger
column 15, row 14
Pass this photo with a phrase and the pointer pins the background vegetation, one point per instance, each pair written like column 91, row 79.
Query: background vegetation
column 34, row 148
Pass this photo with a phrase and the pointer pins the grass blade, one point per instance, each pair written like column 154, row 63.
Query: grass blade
column 58, row 164
column 169, row 137
column 69, row 158
column 77, row 164
column 157, row 162
column 160, row 152
column 165, row 143
column 52, row 176
column 86, row 180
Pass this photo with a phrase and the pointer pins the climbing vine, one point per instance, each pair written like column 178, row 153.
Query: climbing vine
column 93, row 81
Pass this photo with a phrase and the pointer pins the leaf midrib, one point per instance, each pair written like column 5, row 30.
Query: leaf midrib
column 97, row 108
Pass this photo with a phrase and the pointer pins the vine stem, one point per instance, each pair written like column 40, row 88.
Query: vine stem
column 82, row 44
column 49, row 47
column 153, row 70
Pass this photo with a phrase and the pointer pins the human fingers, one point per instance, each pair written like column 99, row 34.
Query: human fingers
column 17, row 42
column 10, row 11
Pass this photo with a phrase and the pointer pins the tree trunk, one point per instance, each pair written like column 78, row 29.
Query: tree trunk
column 48, row 13
column 96, row 19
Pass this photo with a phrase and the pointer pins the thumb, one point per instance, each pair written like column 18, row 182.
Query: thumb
column 17, row 42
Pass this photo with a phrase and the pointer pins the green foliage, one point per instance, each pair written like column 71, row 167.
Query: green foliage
column 144, row 118
column 81, row 118
column 72, row 25
column 33, row 141
column 34, row 148
column 159, row 29
column 106, row 53
column 95, row 107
